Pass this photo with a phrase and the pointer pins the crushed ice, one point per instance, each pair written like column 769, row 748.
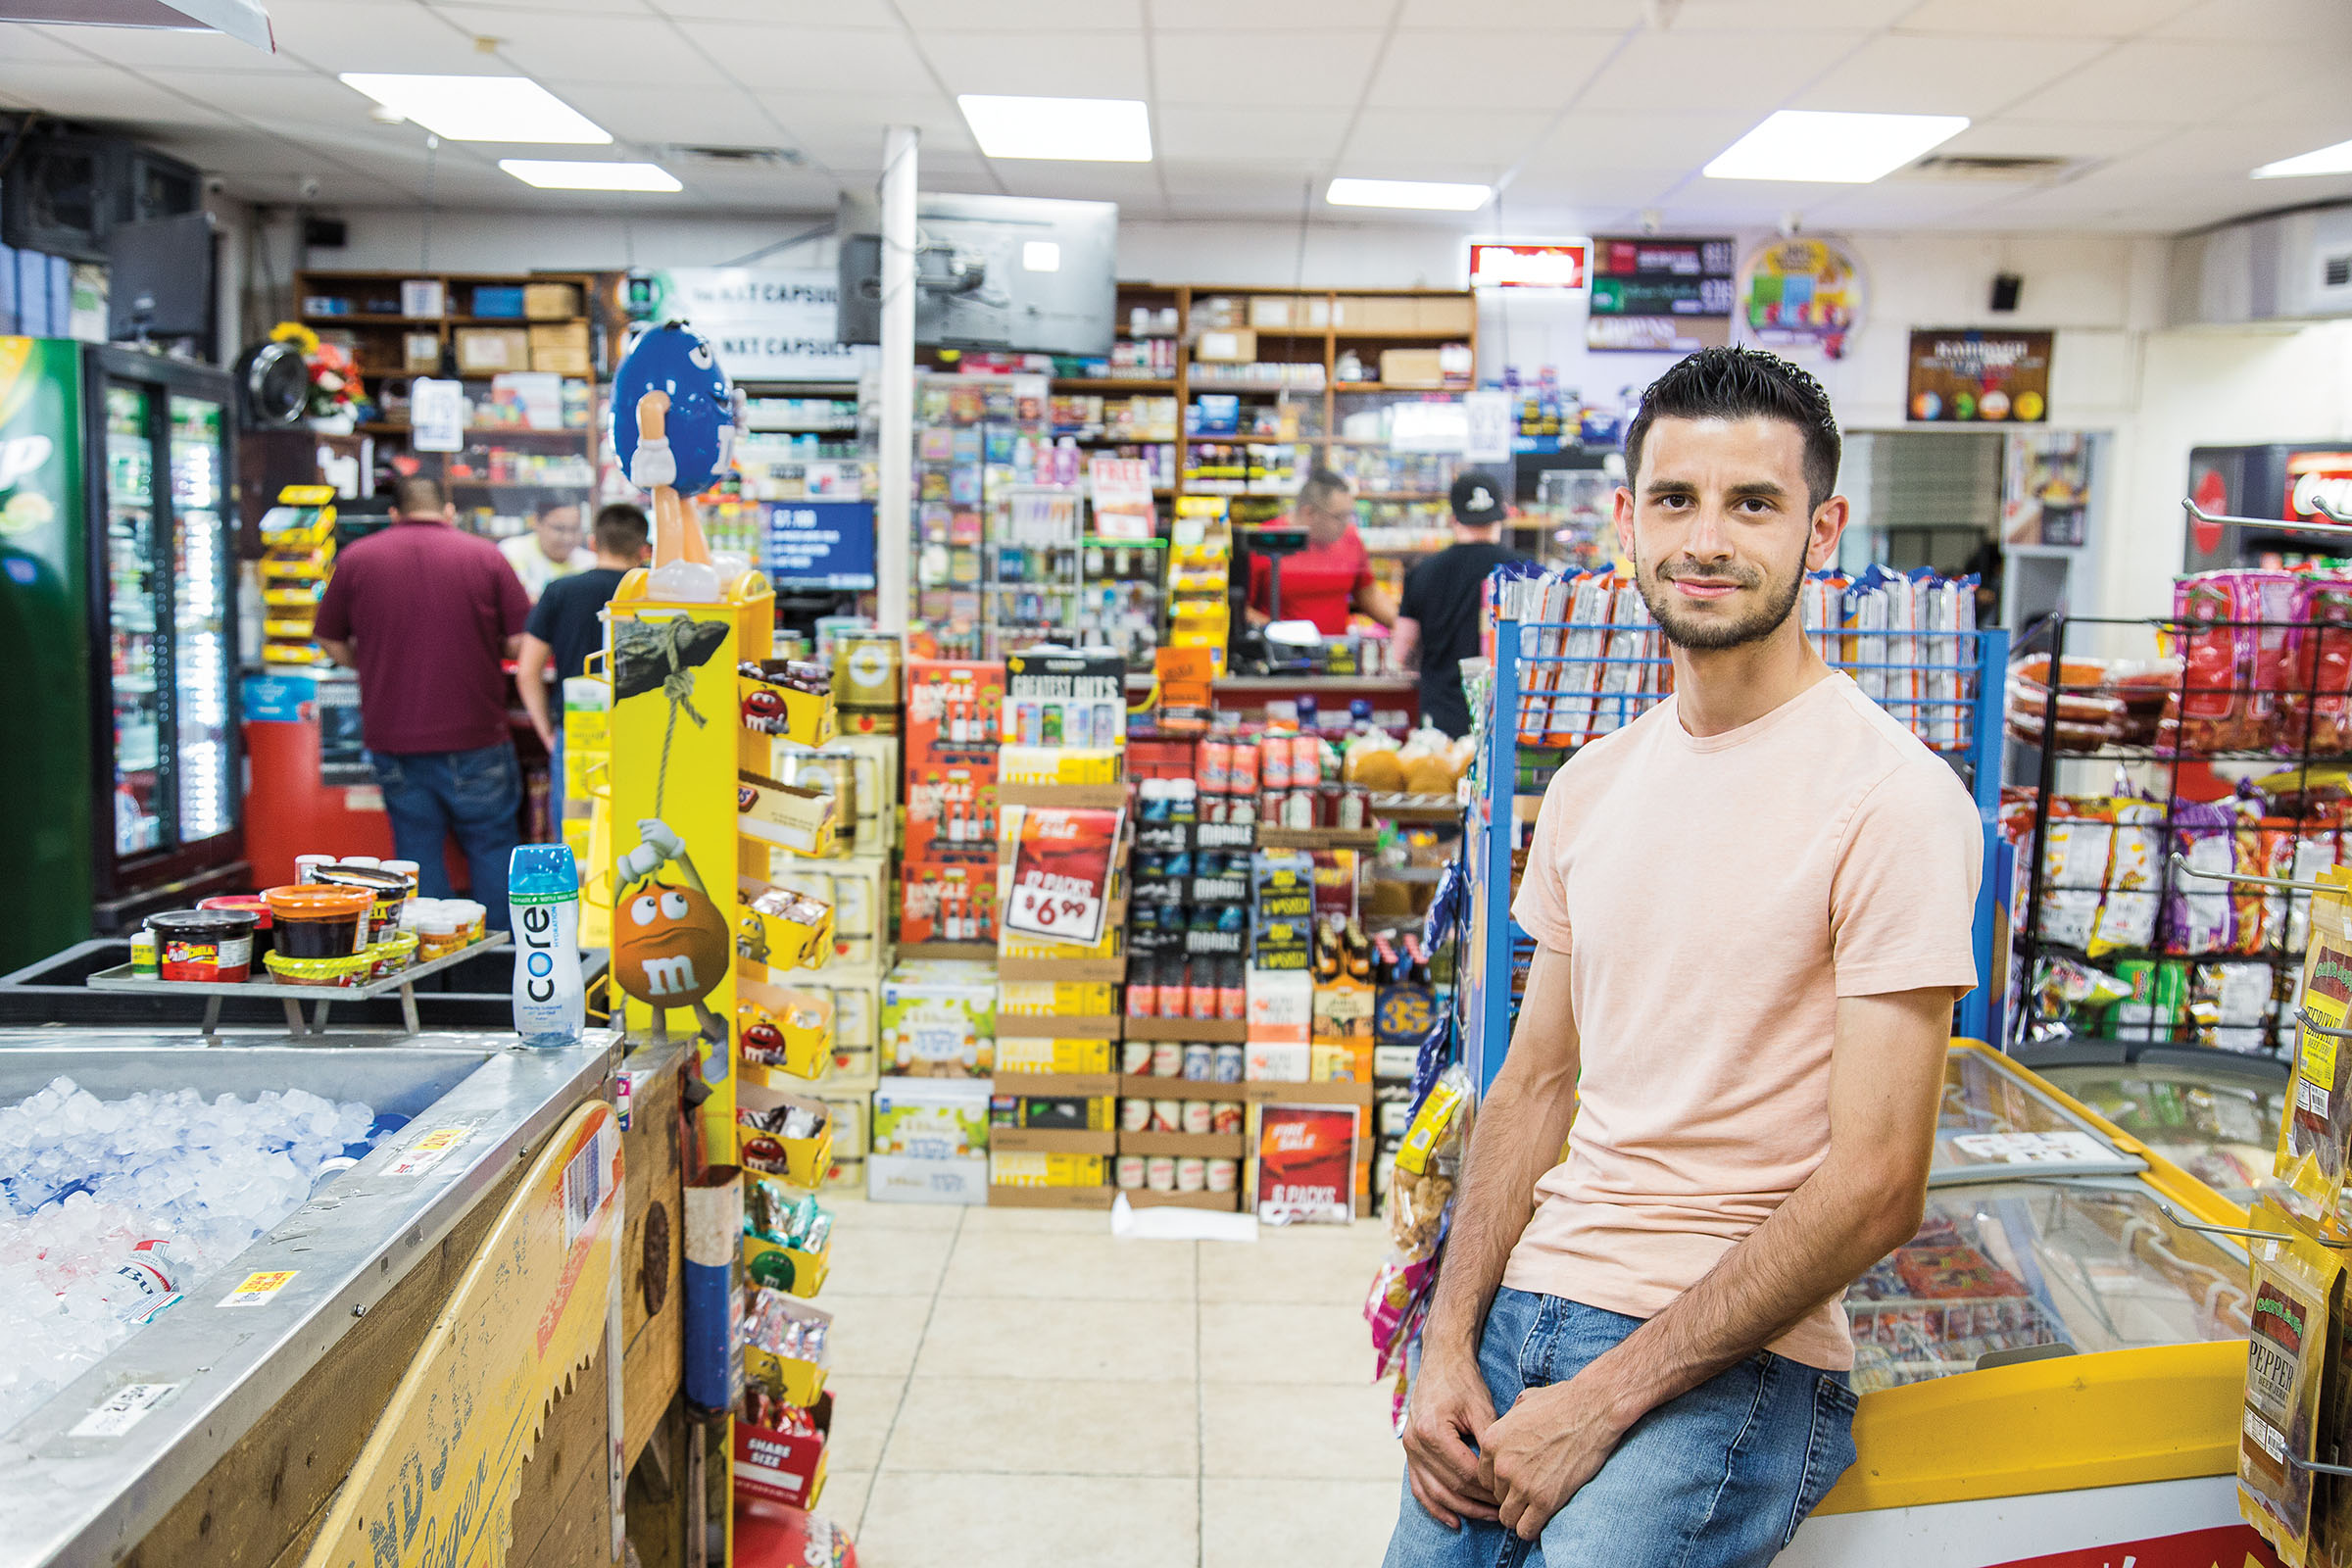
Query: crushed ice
column 85, row 1181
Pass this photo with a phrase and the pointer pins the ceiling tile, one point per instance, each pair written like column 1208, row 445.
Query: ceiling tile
column 1595, row 187
column 1034, row 17
column 875, row 13
column 614, row 8
column 338, row 37
column 1756, row 71
column 843, row 60
column 1308, row 69
column 23, row 43
column 1258, row 16
column 2039, row 19
column 844, row 129
column 2004, row 136
column 2167, row 83
column 1278, row 136
column 1489, row 141
column 716, row 115
column 98, row 93
column 1425, row 70
column 1901, row 75
column 2310, row 24
column 1126, row 184
column 555, row 47
column 301, row 95
column 1790, row 15
column 1637, row 139
column 1520, row 16
column 1087, row 64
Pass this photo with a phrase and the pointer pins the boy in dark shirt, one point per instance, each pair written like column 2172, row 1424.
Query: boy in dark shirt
column 567, row 625
column 1438, row 621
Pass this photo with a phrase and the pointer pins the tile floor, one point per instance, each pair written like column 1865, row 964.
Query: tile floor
column 1015, row 1388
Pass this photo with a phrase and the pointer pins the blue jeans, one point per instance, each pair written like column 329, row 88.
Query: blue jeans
column 1719, row 1477
column 476, row 794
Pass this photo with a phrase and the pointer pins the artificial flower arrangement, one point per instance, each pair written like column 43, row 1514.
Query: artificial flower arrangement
column 335, row 389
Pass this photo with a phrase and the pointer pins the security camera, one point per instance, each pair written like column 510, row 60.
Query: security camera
column 306, row 187
column 215, row 184
column 1651, row 223
column 1792, row 224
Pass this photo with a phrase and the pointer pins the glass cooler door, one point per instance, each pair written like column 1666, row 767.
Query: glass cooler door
column 2001, row 1268
column 201, row 649
column 1995, row 1122
column 2211, row 1119
column 137, row 590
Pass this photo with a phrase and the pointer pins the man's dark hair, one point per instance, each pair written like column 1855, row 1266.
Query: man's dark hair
column 1322, row 490
column 417, row 495
column 1738, row 384
column 555, row 503
column 620, row 530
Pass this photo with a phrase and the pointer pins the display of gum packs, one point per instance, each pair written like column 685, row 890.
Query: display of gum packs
column 784, row 814
column 930, row 1121
column 785, row 698
column 1065, row 698
column 952, row 811
column 951, row 707
column 783, row 1030
column 782, row 1134
column 947, row 902
column 2297, row 1280
column 2313, row 1136
column 939, row 1019
column 781, row 928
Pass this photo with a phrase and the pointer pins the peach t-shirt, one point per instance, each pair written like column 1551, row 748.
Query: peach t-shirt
column 1715, row 897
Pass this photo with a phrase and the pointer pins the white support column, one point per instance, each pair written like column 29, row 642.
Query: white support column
column 893, row 523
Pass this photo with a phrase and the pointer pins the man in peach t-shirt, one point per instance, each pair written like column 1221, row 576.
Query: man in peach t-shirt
column 1751, row 910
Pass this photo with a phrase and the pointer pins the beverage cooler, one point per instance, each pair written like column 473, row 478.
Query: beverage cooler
column 117, row 514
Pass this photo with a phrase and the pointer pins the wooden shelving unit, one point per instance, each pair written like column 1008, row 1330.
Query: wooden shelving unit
column 379, row 342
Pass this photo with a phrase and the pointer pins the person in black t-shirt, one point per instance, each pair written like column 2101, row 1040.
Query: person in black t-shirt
column 567, row 625
column 1438, row 621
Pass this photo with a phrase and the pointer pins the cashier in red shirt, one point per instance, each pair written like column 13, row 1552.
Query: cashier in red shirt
column 1331, row 576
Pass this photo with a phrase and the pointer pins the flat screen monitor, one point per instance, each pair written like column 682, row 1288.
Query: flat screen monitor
column 160, row 278
column 1012, row 272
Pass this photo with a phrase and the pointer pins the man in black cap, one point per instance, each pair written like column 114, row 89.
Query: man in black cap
column 1438, row 618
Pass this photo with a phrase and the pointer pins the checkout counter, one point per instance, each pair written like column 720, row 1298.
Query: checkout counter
column 2052, row 1372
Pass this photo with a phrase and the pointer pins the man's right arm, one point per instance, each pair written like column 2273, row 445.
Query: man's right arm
column 1521, row 1125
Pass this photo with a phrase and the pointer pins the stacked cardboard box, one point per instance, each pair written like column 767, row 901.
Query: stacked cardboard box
column 948, row 881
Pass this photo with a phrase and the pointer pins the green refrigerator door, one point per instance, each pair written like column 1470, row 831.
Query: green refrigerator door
column 44, row 651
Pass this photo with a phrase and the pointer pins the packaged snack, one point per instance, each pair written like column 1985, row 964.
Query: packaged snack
column 2316, row 851
column 2230, row 996
column 2313, row 1134
column 2315, row 710
column 2074, row 875
column 2126, row 916
column 2089, row 715
column 2209, row 713
column 2200, row 915
column 2296, row 1282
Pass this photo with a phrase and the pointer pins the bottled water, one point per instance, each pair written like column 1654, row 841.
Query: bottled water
column 543, row 891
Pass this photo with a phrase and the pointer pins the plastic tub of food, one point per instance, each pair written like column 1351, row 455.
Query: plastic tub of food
column 206, row 945
column 390, row 957
column 440, row 929
column 311, row 920
column 349, row 969
column 388, row 889
column 474, row 920
column 252, row 903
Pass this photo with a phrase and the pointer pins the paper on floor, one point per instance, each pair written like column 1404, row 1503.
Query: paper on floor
column 1179, row 1224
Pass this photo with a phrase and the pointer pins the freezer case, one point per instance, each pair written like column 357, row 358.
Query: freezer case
column 2213, row 1114
column 368, row 1262
column 2051, row 1369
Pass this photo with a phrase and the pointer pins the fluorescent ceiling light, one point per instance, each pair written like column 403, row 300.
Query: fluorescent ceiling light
column 556, row 174
column 1103, row 130
column 2336, row 160
column 1425, row 195
column 480, row 108
column 1836, row 149
column 242, row 20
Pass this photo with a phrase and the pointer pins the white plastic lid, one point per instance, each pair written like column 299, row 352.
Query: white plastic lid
column 359, row 860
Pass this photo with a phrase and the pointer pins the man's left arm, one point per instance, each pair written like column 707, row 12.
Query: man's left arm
column 1863, row 1200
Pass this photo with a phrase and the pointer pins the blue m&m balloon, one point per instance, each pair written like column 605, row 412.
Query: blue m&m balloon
column 700, row 426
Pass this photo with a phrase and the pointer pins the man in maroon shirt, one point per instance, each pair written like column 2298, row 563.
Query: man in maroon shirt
column 424, row 612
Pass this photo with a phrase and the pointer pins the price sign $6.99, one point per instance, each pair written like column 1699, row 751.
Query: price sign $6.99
column 1036, row 909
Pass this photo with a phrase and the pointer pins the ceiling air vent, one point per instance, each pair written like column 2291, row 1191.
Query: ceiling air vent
column 2017, row 169
column 743, row 157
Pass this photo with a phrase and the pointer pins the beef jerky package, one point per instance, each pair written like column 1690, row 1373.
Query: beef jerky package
column 2296, row 1281
column 2318, row 1125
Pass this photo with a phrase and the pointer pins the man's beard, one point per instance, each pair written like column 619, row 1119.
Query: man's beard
column 1696, row 632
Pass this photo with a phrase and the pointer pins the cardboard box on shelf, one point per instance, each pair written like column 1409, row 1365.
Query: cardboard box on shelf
column 929, row 1118
column 1027, row 1168
column 488, row 349
column 1446, row 313
column 1394, row 1062
column 1065, row 698
column 938, row 1021
column 784, row 814
column 561, row 348
column 867, row 667
column 801, row 1161
column 1411, row 368
column 1289, row 313
column 1226, row 346
column 1011, row 1197
column 552, row 302
column 420, row 352
column 1278, row 1061
column 1032, row 1054
column 953, row 706
column 1058, row 765
column 949, row 903
column 902, row 1179
column 853, row 1118
column 854, row 1068
column 1057, row 999
column 1280, row 1006
column 778, row 1029
column 786, row 1467
column 853, row 889
column 1214, row 1202
column 951, row 810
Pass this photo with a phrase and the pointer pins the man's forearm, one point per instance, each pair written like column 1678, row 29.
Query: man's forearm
column 1516, row 1139
column 1829, row 1230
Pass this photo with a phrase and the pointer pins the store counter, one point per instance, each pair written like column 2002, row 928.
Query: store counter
column 2055, row 1364
column 1247, row 695
column 218, row 1434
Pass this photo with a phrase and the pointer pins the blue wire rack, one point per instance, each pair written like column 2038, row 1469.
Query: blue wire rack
column 1965, row 727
